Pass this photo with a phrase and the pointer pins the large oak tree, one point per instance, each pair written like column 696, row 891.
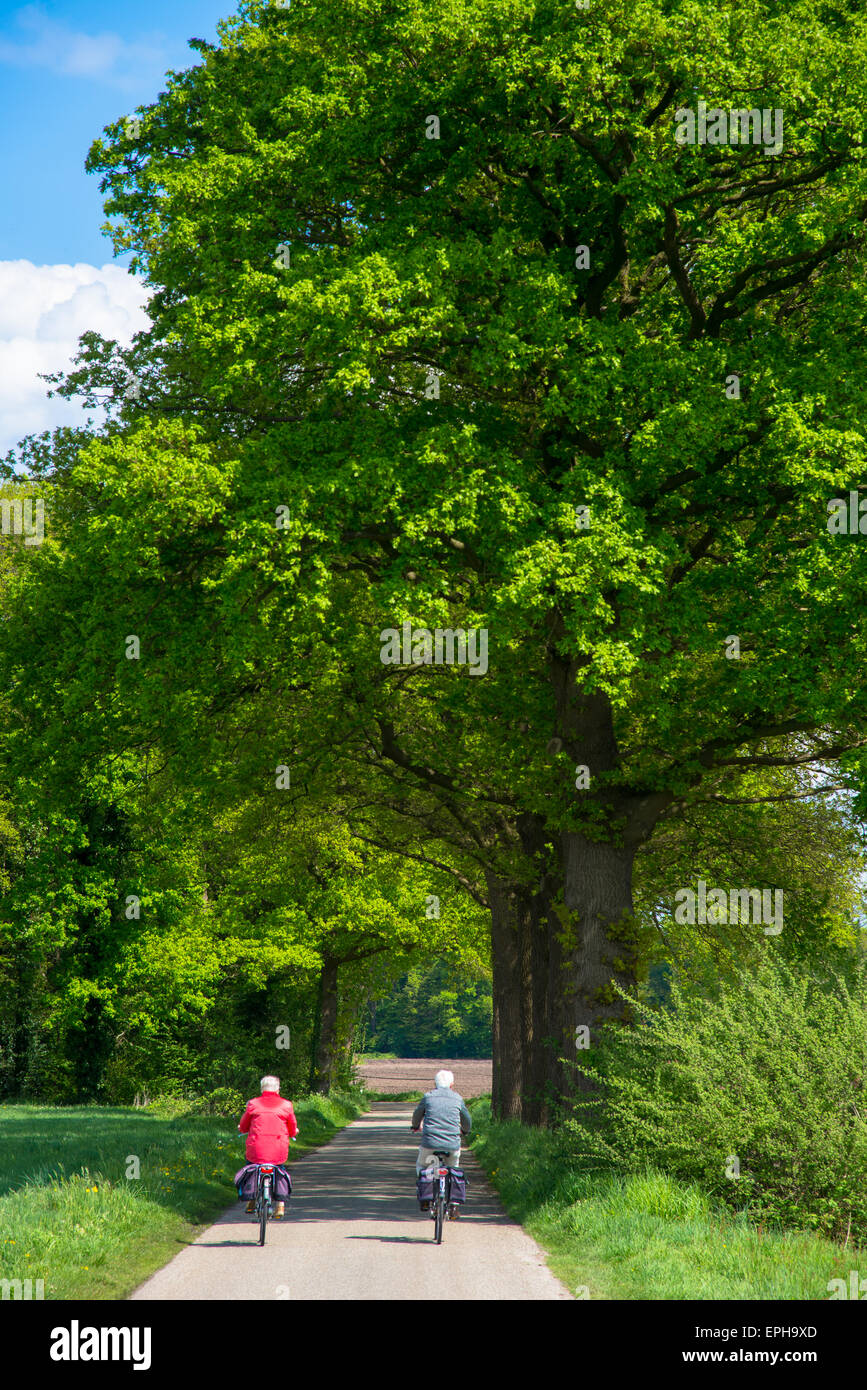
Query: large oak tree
column 441, row 280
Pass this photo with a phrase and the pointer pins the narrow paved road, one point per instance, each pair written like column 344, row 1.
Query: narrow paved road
column 353, row 1231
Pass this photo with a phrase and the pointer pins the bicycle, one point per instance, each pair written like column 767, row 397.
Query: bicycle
column 264, row 1187
column 440, row 1200
column 264, row 1201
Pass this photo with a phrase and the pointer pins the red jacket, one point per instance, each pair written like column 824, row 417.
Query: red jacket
column 268, row 1122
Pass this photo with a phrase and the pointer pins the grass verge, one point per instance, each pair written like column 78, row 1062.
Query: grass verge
column 394, row 1095
column 645, row 1236
column 74, row 1214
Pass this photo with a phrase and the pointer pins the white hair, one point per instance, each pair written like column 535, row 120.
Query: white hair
column 270, row 1083
column 444, row 1078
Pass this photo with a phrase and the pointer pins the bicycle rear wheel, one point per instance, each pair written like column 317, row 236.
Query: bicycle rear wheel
column 438, row 1218
column 265, row 1198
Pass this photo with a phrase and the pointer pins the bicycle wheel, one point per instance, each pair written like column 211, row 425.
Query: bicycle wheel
column 438, row 1218
column 263, row 1210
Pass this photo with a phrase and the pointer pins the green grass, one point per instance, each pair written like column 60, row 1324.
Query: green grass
column 69, row 1215
column 645, row 1236
column 394, row 1095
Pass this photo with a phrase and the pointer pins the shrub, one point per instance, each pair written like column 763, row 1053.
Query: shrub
column 767, row 1080
column 225, row 1102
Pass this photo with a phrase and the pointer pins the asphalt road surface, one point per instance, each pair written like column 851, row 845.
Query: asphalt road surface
column 353, row 1231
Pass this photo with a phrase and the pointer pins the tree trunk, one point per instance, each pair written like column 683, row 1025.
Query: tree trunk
column 563, row 939
column 16, row 1052
column 507, row 1042
column 593, row 946
column 598, row 947
column 538, row 1052
column 325, row 1038
column 532, row 913
column 520, row 945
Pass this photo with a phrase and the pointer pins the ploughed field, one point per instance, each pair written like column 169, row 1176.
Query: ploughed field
column 393, row 1076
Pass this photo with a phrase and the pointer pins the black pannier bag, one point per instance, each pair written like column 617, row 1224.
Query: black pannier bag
column 457, row 1185
column 282, row 1185
column 424, row 1185
column 246, row 1180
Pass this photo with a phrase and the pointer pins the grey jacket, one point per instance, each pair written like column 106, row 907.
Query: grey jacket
column 445, row 1117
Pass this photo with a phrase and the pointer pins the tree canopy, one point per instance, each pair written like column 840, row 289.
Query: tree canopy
column 451, row 329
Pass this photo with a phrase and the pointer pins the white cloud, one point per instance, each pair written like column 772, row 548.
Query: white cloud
column 43, row 311
column 107, row 58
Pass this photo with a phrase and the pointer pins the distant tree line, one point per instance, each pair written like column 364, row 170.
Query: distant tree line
column 429, row 1012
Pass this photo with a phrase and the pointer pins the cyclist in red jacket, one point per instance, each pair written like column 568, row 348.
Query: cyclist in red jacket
column 269, row 1123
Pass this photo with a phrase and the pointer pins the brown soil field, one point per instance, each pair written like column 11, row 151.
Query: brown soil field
column 472, row 1077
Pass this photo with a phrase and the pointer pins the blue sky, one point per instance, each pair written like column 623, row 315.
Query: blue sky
column 66, row 71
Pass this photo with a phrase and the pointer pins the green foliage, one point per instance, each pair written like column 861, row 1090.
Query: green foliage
column 811, row 848
column 300, row 387
column 303, row 382
column 223, row 1101
column 214, row 979
column 645, row 1235
column 766, row 1080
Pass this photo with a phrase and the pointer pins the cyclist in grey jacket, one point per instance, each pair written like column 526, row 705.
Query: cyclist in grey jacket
column 443, row 1118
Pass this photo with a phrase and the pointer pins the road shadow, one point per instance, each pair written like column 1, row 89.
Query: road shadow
column 396, row 1240
column 239, row 1244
